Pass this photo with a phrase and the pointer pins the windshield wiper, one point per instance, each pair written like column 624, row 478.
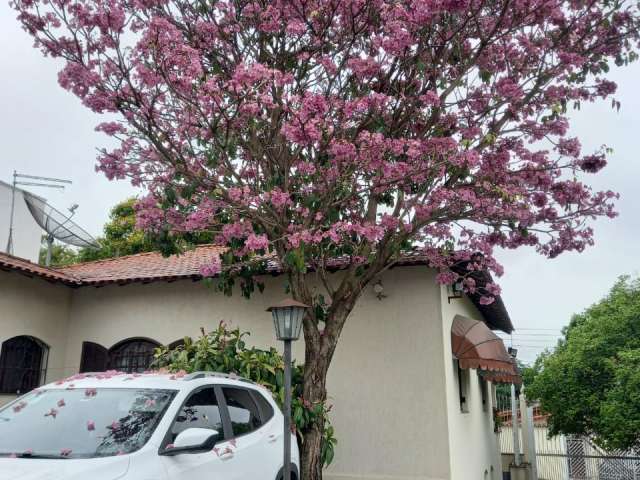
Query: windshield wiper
column 34, row 455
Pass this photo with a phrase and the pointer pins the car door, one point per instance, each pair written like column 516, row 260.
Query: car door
column 202, row 410
column 255, row 444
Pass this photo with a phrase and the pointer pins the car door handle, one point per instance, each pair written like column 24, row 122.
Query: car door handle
column 273, row 438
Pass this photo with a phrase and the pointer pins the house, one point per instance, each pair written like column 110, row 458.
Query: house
column 404, row 405
column 27, row 233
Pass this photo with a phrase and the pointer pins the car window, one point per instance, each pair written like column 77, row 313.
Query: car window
column 81, row 423
column 266, row 410
column 243, row 412
column 199, row 411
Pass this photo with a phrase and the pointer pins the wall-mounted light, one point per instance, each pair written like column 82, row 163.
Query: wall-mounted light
column 455, row 290
column 378, row 290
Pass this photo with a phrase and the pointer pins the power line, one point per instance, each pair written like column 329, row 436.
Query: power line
column 539, row 328
column 533, row 335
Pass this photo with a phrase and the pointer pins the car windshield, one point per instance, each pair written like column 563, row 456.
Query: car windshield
column 81, row 423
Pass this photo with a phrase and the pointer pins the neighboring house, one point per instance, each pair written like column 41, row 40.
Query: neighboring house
column 26, row 232
column 403, row 406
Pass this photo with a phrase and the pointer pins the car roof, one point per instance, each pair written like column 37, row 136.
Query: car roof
column 158, row 380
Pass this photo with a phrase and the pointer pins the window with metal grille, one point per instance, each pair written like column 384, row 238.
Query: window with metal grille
column 132, row 356
column 463, row 387
column 23, row 363
column 484, row 392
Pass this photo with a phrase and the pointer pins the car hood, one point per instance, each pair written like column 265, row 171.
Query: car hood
column 111, row 468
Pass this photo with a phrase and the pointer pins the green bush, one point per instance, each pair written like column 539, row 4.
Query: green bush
column 224, row 350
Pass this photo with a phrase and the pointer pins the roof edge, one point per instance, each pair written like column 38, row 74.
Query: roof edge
column 12, row 263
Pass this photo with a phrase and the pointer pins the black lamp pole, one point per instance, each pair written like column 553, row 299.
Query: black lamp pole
column 287, row 410
column 287, row 321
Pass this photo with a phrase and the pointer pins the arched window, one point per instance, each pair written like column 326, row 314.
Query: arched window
column 23, row 364
column 132, row 355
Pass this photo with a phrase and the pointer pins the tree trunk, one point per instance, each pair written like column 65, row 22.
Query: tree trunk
column 319, row 352
column 314, row 391
column 319, row 349
column 311, row 455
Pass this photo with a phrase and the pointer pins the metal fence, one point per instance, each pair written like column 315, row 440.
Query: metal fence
column 566, row 457
column 578, row 458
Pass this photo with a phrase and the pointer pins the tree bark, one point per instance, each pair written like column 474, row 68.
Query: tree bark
column 319, row 352
column 319, row 349
column 314, row 391
column 311, row 464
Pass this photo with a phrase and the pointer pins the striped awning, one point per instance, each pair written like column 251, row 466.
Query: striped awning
column 501, row 377
column 474, row 345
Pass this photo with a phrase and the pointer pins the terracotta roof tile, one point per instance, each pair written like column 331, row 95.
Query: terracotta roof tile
column 11, row 263
column 143, row 267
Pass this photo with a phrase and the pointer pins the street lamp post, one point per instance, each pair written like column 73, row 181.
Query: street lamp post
column 287, row 321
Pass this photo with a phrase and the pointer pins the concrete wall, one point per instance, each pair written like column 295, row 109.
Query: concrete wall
column 474, row 452
column 386, row 381
column 31, row 306
column 26, row 232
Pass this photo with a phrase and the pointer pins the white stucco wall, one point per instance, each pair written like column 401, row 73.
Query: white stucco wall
column 386, row 381
column 473, row 447
column 31, row 306
column 26, row 232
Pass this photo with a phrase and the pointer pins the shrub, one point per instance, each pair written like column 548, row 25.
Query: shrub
column 225, row 350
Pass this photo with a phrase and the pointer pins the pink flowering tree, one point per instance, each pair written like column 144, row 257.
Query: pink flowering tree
column 327, row 133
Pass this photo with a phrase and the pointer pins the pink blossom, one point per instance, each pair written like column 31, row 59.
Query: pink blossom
column 211, row 269
column 509, row 89
column 493, row 289
column 53, row 413
column 256, row 242
column 430, row 98
column 279, row 199
column 486, row 300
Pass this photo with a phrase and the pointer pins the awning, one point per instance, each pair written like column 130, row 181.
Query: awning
column 501, row 377
column 475, row 346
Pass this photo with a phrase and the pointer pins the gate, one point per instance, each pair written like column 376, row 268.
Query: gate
column 578, row 458
column 567, row 457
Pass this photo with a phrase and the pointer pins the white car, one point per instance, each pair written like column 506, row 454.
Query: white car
column 112, row 426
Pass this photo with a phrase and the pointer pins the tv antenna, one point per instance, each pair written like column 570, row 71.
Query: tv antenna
column 58, row 225
column 33, row 181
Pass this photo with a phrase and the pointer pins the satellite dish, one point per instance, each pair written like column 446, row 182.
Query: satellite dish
column 58, row 225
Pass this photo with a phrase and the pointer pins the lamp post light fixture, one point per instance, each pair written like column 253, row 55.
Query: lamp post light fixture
column 287, row 321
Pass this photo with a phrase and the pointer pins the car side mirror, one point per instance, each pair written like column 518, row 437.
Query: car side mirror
column 192, row 440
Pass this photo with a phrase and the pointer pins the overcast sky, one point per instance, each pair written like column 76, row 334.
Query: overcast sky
column 45, row 131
